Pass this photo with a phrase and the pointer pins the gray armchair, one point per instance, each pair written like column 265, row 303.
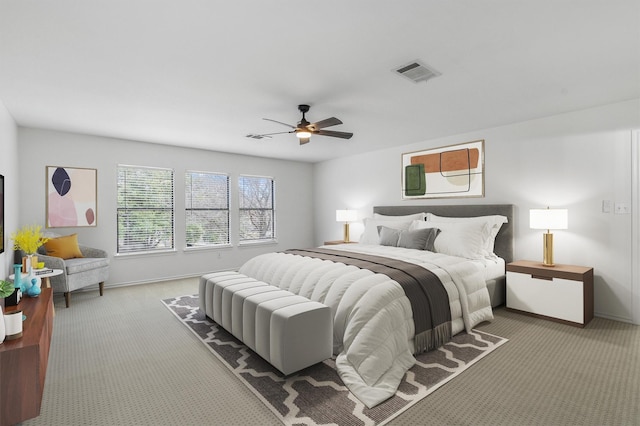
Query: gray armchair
column 78, row 273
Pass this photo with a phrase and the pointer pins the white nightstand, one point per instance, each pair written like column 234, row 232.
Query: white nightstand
column 561, row 293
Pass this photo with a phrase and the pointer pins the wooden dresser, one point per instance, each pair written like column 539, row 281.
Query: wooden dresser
column 23, row 361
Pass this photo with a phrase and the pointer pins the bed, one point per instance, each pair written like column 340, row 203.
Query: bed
column 496, row 282
column 376, row 327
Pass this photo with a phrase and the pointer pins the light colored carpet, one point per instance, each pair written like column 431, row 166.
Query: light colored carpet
column 121, row 359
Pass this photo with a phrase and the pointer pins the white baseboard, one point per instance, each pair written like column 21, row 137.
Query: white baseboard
column 157, row 280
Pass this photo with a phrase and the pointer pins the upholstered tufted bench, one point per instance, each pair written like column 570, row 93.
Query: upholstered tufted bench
column 289, row 331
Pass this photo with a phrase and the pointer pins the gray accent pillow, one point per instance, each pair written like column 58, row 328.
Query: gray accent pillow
column 431, row 239
column 388, row 236
column 420, row 239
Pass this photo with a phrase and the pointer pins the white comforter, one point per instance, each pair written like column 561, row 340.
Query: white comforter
column 373, row 325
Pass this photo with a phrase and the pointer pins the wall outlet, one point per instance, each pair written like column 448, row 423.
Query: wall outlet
column 606, row 206
column 622, row 208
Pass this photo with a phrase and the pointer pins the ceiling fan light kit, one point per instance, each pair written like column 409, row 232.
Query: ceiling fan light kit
column 304, row 130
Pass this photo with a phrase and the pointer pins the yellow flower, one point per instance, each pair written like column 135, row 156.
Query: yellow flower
column 28, row 239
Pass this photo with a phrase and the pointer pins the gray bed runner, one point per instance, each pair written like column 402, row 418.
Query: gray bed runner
column 428, row 297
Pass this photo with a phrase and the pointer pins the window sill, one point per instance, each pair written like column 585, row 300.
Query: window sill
column 146, row 253
column 205, row 248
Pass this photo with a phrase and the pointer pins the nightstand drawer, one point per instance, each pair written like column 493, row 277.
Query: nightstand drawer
column 552, row 297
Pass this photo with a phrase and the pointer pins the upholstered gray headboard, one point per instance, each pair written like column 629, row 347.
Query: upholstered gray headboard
column 504, row 239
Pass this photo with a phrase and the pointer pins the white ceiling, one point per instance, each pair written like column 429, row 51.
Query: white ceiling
column 204, row 73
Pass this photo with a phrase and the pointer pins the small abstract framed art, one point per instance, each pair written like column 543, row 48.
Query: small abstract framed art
column 453, row 171
column 72, row 195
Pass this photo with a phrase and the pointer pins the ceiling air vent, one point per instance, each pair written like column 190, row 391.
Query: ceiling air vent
column 417, row 72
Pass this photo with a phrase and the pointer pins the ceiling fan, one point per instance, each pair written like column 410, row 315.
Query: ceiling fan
column 304, row 129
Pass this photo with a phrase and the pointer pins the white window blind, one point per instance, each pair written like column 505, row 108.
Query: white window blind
column 256, row 208
column 145, row 209
column 207, row 209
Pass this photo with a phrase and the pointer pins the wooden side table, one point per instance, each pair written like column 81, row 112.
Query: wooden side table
column 336, row 242
column 23, row 361
column 562, row 293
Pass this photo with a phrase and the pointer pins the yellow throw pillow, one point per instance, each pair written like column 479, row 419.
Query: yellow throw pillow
column 64, row 247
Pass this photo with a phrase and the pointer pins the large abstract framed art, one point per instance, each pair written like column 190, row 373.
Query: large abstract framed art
column 71, row 197
column 445, row 172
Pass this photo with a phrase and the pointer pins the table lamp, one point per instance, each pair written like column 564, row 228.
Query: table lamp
column 548, row 219
column 346, row 216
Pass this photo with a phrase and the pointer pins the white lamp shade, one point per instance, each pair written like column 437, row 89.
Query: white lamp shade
column 346, row 215
column 548, row 218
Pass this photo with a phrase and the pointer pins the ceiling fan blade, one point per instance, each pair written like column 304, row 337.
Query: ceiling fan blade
column 277, row 133
column 265, row 135
column 304, row 140
column 328, row 122
column 334, row 134
column 280, row 122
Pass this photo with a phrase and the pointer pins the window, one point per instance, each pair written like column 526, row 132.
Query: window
column 257, row 209
column 207, row 209
column 145, row 209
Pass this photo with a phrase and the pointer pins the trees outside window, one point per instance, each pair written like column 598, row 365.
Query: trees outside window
column 207, row 209
column 145, row 209
column 256, row 208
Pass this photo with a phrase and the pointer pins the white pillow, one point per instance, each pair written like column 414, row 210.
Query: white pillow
column 370, row 234
column 494, row 223
column 462, row 239
column 409, row 217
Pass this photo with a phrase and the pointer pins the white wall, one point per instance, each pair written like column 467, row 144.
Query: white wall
column 41, row 148
column 9, row 169
column 574, row 161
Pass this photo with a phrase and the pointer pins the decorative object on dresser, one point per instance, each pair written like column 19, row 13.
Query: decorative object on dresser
column 563, row 293
column 6, row 289
column 14, row 298
column 13, row 324
column 548, row 219
column 28, row 240
column 346, row 216
column 23, row 361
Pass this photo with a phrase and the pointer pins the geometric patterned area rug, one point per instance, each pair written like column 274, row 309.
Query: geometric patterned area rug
column 316, row 395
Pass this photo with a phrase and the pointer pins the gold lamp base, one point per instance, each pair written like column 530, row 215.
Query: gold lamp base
column 547, row 249
column 345, row 238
